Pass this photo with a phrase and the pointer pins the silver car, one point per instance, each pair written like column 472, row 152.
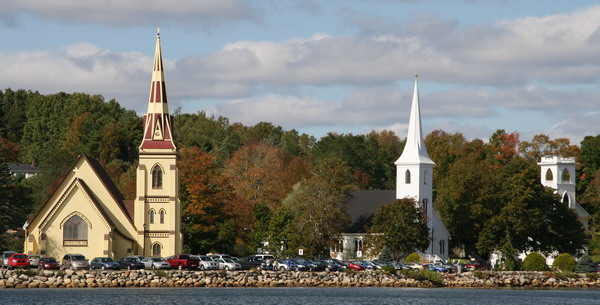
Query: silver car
column 229, row 264
column 5, row 256
column 207, row 263
column 155, row 263
column 75, row 261
column 34, row 260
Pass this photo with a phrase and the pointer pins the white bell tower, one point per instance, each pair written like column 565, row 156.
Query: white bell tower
column 559, row 173
column 414, row 179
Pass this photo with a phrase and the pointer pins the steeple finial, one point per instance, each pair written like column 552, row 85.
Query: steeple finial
column 414, row 150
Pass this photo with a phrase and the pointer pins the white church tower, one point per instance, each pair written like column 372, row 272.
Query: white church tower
column 559, row 173
column 414, row 178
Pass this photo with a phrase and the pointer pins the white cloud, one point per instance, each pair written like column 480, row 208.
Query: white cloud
column 201, row 13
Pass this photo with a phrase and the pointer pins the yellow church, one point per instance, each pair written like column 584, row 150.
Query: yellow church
column 87, row 214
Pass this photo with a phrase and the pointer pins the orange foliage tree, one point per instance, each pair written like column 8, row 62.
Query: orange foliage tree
column 206, row 197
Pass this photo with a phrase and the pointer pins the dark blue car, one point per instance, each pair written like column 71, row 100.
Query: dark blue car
column 104, row 263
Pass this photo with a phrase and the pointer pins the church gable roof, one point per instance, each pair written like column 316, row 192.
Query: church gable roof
column 363, row 203
column 72, row 178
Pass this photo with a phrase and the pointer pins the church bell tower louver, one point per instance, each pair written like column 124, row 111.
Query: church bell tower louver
column 157, row 207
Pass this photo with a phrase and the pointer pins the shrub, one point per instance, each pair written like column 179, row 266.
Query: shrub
column 433, row 277
column 389, row 269
column 585, row 265
column 478, row 274
column 564, row 262
column 534, row 262
column 413, row 258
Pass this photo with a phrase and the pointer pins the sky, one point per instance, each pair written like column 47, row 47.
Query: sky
column 344, row 66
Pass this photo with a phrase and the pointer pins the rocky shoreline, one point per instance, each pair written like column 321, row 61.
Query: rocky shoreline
column 176, row 278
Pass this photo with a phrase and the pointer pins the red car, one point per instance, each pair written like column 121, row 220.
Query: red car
column 48, row 263
column 353, row 266
column 478, row 265
column 18, row 260
column 181, row 261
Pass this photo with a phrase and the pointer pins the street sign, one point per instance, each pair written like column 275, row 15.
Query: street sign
column 300, row 252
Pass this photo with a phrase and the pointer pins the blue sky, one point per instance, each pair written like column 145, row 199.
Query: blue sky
column 320, row 66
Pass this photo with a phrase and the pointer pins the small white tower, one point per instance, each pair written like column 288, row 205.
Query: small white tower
column 559, row 174
column 414, row 179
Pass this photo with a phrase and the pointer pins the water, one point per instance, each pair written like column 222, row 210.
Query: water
column 304, row 296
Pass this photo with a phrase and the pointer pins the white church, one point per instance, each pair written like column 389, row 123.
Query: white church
column 414, row 179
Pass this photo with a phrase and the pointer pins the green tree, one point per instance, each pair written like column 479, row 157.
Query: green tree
column 585, row 265
column 318, row 207
column 400, row 227
column 412, row 258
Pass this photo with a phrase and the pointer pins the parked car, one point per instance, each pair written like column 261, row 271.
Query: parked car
column 289, row 265
column 312, row 265
column 17, row 260
column 5, row 256
column 48, row 263
column 180, row 261
column 104, row 263
column 155, row 263
column 75, row 261
column 255, row 261
column 368, row 265
column 437, row 267
column 451, row 268
column 414, row 266
column 207, row 263
column 353, row 266
column 228, row 264
column 130, row 263
column 330, row 264
column 216, row 257
column 478, row 265
column 34, row 260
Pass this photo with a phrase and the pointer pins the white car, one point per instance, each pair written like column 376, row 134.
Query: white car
column 155, row 263
column 229, row 264
column 207, row 263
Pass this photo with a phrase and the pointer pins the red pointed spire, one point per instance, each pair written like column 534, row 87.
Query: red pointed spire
column 158, row 121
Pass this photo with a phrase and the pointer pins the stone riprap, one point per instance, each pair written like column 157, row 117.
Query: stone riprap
column 176, row 278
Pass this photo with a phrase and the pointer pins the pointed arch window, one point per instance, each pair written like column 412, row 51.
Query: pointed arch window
column 549, row 176
column 161, row 215
column 566, row 176
column 566, row 198
column 442, row 246
column 156, row 250
column 75, row 229
column 157, row 177
column 424, row 206
column 407, row 177
column 151, row 216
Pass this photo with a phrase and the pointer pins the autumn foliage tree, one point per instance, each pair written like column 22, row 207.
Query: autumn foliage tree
column 206, row 197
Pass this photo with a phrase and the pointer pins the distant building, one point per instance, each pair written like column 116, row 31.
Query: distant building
column 414, row 179
column 23, row 170
column 87, row 214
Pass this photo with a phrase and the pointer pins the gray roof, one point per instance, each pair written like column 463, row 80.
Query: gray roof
column 23, row 168
column 362, row 204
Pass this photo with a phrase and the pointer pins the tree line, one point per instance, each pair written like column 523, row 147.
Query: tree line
column 244, row 185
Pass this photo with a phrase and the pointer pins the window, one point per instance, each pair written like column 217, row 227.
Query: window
column 162, row 216
column 424, row 206
column 566, row 176
column 565, row 198
column 151, row 216
column 549, row 176
column 442, row 246
column 157, row 177
column 425, row 177
column 156, row 250
column 407, row 177
column 75, row 229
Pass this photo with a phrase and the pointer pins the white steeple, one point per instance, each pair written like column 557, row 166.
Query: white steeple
column 414, row 151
